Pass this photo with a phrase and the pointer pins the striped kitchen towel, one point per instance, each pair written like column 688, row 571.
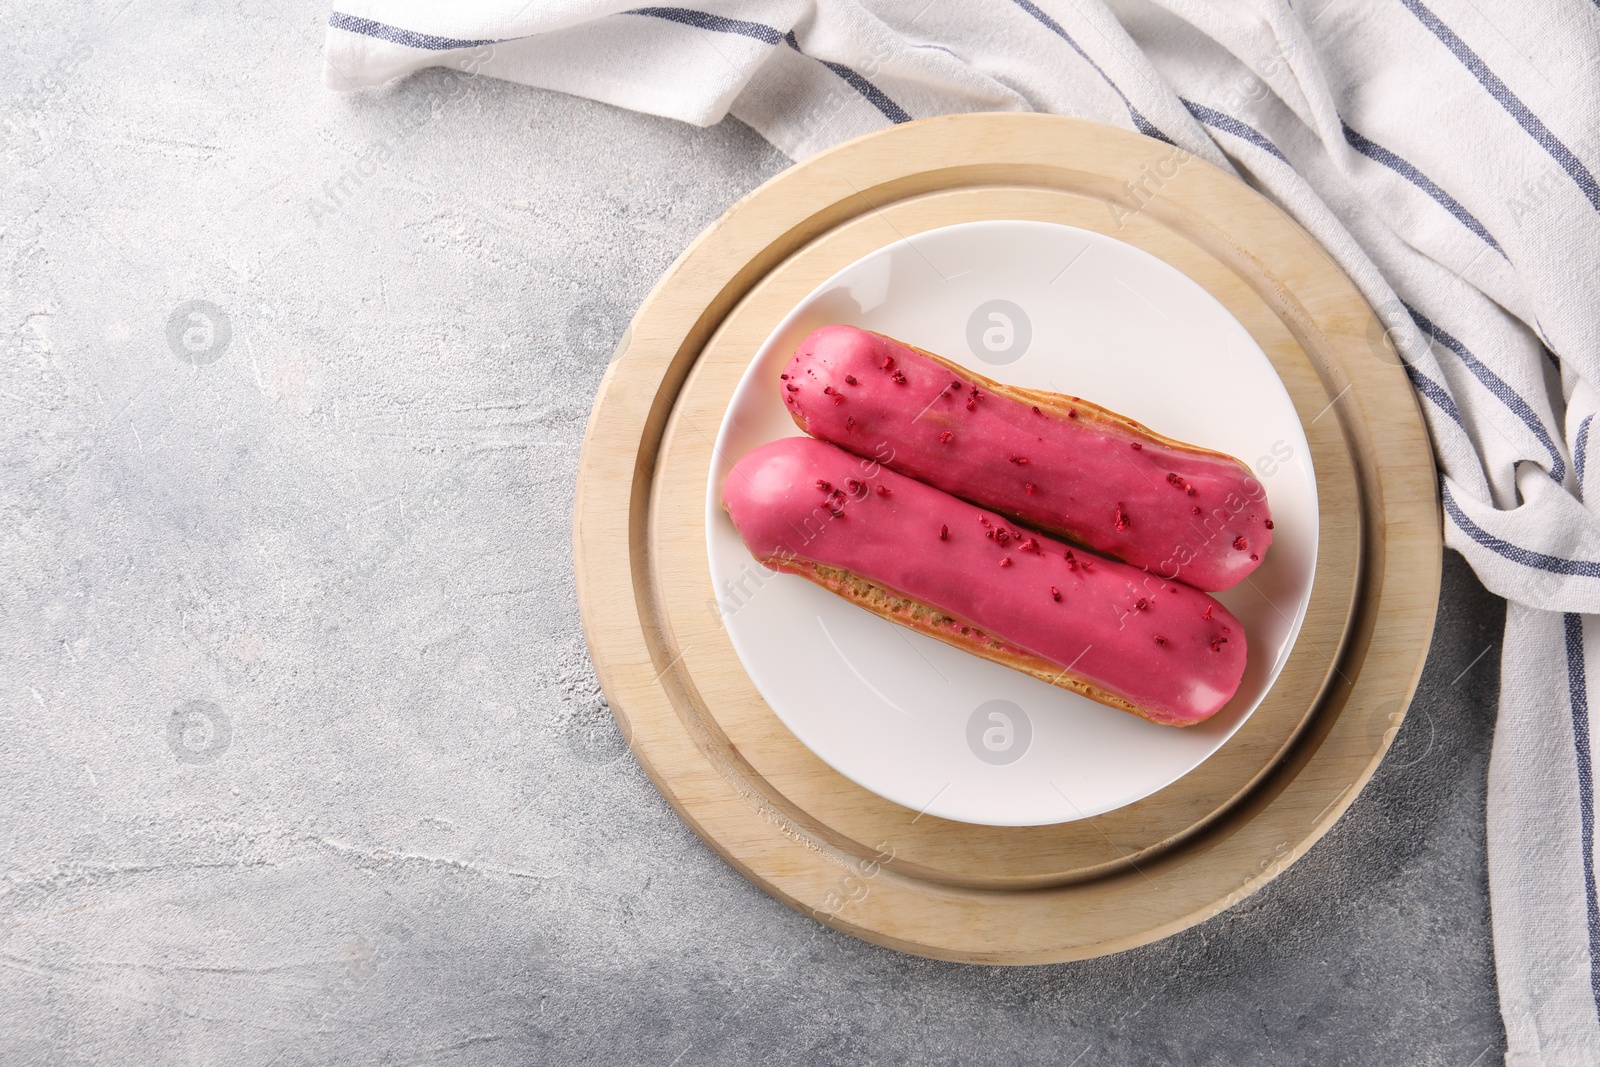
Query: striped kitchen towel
column 1443, row 151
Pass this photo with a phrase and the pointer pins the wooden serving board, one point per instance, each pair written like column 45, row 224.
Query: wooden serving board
column 886, row 873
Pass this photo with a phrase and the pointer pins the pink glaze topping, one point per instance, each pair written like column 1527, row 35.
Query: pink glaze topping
column 1194, row 516
column 1174, row 651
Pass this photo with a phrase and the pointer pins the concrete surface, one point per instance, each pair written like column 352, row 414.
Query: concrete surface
column 303, row 759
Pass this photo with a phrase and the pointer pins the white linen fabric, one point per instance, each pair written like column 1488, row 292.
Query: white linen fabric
column 1443, row 151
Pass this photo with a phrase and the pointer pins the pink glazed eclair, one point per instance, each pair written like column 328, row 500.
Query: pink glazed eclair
column 920, row 557
column 1055, row 462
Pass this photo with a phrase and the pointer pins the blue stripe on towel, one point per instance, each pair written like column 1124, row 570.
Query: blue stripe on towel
column 1581, row 568
column 1496, row 385
column 1581, row 446
column 1229, row 124
column 1142, row 124
column 1380, row 154
column 1433, row 391
column 1509, row 100
column 875, row 96
column 1578, row 692
column 703, row 20
column 394, row 34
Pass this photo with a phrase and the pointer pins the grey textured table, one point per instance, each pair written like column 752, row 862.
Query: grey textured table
column 304, row 762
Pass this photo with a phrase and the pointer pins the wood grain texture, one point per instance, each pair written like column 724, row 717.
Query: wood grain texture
column 867, row 866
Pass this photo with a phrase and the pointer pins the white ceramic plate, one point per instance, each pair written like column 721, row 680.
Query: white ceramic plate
column 1044, row 306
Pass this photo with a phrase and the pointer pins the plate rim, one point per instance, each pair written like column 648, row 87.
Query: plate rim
column 715, row 475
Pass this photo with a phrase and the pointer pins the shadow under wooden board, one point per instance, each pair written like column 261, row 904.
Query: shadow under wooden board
column 880, row 871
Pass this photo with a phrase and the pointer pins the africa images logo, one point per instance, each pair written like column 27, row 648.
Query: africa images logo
column 999, row 732
column 999, row 332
